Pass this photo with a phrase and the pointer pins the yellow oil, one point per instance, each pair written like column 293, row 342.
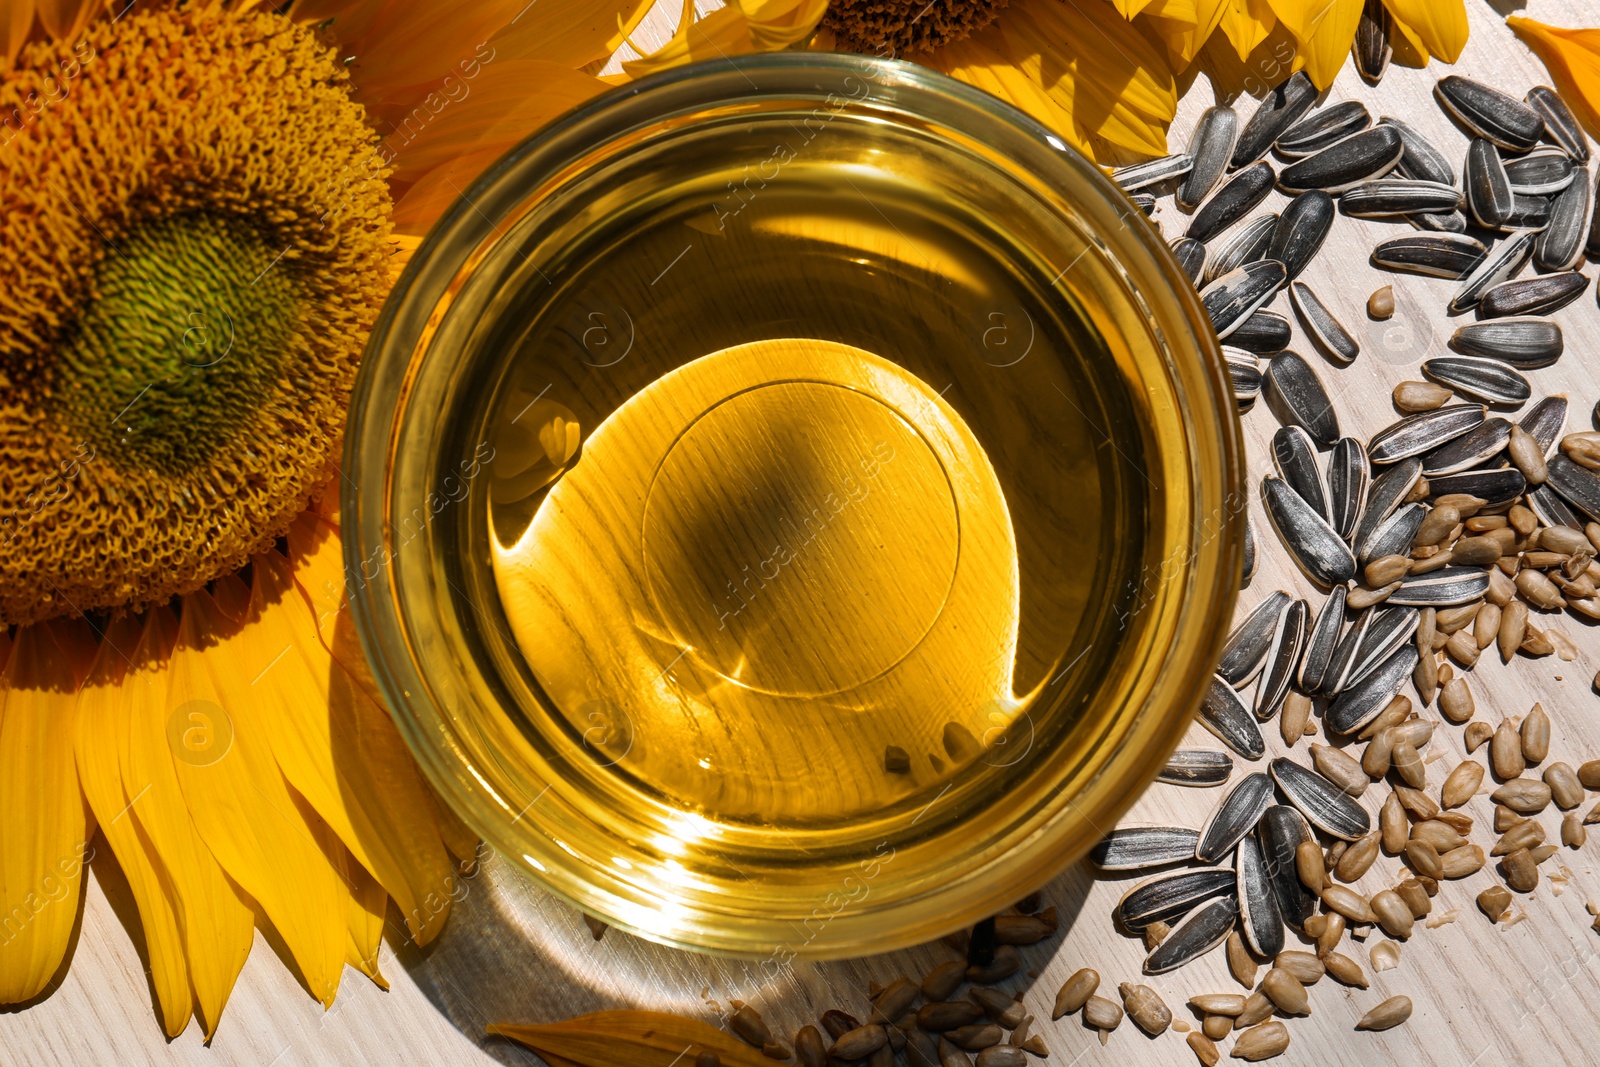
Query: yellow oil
column 813, row 511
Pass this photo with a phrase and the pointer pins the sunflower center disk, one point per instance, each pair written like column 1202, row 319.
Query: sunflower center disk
column 800, row 539
column 191, row 321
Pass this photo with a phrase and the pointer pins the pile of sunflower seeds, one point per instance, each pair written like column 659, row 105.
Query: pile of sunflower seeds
column 1470, row 522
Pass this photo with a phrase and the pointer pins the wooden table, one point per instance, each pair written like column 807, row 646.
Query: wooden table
column 1524, row 993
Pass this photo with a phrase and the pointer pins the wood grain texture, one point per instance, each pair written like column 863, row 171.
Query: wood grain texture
column 1525, row 994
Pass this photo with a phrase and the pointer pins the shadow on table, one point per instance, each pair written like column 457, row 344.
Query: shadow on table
column 514, row 953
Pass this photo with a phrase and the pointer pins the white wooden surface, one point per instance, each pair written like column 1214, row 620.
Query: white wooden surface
column 1483, row 995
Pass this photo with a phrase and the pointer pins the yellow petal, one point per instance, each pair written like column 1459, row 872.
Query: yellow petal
column 742, row 26
column 368, row 902
column 1130, row 9
column 213, row 918
column 420, row 45
column 1573, row 59
column 1325, row 30
column 44, row 837
column 16, row 20
column 241, row 805
column 102, row 703
column 419, row 206
column 573, row 33
column 1246, row 23
column 1186, row 11
column 1441, row 25
column 1185, row 39
column 65, row 19
column 1409, row 51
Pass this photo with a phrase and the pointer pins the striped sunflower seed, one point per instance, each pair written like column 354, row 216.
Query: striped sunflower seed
column 1235, row 296
column 1528, row 213
column 1167, row 897
column 1200, row 931
column 1362, row 701
column 1294, row 457
column 1421, row 160
column 1524, row 341
column 1137, row 847
column 1482, row 379
column 1495, row 267
column 1300, row 231
column 1283, row 660
column 1244, row 372
column 1559, row 124
column 1576, row 485
column 1543, row 172
column 1153, row 172
column 1246, row 648
column 1388, row 629
column 1443, row 588
column 1297, row 397
column 1478, row 444
column 1549, row 506
column 1238, row 196
column 1266, row 333
column 1326, row 806
column 1372, row 50
column 1423, row 432
column 1360, row 158
column 1281, row 831
column 1488, row 189
column 1258, row 906
column 1349, row 478
column 1450, row 222
column 1318, row 549
column 1191, row 256
column 1436, row 255
column 1223, row 712
column 1197, row 767
column 1279, row 110
column 1489, row 113
column 1320, row 643
column 1328, row 333
column 1532, row 296
column 1249, row 548
column 1234, row 816
column 1210, row 148
column 1388, row 197
column 1247, row 245
column 1338, row 673
column 1493, row 487
column 1560, row 246
column 1323, row 128
column 1387, row 491
column 1392, row 536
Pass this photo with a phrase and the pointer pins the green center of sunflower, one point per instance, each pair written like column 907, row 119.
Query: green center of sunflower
column 191, row 322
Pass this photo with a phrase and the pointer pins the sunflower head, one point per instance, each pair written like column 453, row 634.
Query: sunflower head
column 194, row 220
column 906, row 27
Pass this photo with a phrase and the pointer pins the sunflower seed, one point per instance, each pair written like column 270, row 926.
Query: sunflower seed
column 1361, row 702
column 1560, row 246
column 1246, row 648
column 1169, row 896
column 1421, row 160
column 1359, row 158
column 1323, row 128
column 1296, row 395
column 1318, row 549
column 1294, row 457
column 1249, row 244
column 1237, row 198
column 1532, row 296
column 1266, row 333
column 1224, row 713
column 1528, row 213
column 1489, row 113
column 1372, row 50
column 1344, row 653
column 1249, row 547
column 1326, row 806
column 1576, row 485
column 1386, row 1016
column 1493, row 487
column 1385, row 494
column 1281, row 109
column 1437, row 255
column 1387, row 197
column 1487, row 380
column 1541, row 173
column 1244, row 371
column 1494, row 268
column 1423, row 432
column 1191, row 256
column 1153, row 172
column 1470, row 449
column 1329, row 334
column 1211, row 147
column 1324, row 637
column 1559, row 124
column 1136, row 847
column 1550, row 508
column 1444, row 588
column 1202, row 930
column 1348, row 480
column 1232, row 298
column 1544, row 423
column 1449, row 222
column 1197, row 767
column 1300, row 231
column 1283, row 660
column 1489, row 195
column 1259, row 916
column 1392, row 536
column 1523, row 341
column 1234, row 816
column 1389, row 628
column 1281, row 830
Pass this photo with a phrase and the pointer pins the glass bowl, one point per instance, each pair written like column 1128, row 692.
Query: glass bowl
column 793, row 505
